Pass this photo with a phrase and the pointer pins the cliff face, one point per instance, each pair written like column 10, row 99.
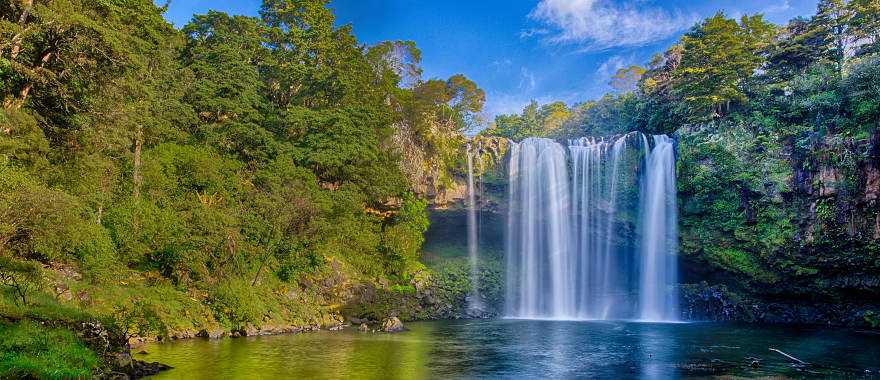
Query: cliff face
column 779, row 229
column 445, row 186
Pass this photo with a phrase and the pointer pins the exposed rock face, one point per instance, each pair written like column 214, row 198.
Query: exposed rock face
column 828, row 178
column 446, row 187
column 392, row 324
column 703, row 302
column 872, row 182
column 790, row 226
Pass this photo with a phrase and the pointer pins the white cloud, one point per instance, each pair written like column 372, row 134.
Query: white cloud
column 527, row 81
column 601, row 24
column 777, row 8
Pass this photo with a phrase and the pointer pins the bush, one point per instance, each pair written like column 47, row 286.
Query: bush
column 236, row 302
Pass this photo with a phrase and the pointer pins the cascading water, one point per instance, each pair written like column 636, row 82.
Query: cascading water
column 575, row 249
column 659, row 247
column 475, row 303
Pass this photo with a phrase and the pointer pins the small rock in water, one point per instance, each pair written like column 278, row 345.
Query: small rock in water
column 392, row 324
column 364, row 328
column 143, row 369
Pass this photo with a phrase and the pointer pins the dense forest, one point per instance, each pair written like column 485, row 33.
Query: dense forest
column 237, row 172
column 244, row 175
column 778, row 141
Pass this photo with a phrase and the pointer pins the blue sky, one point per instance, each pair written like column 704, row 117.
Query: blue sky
column 520, row 50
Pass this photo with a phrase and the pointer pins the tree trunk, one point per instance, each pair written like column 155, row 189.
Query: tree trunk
column 26, row 6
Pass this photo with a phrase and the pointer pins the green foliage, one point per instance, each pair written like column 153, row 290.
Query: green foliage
column 718, row 58
column 872, row 319
column 22, row 277
column 171, row 180
column 863, row 88
column 236, row 302
column 31, row 350
column 535, row 121
column 403, row 239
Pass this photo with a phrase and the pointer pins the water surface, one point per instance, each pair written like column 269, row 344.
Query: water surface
column 529, row 349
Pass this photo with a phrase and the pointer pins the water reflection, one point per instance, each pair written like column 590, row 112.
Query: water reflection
column 522, row 348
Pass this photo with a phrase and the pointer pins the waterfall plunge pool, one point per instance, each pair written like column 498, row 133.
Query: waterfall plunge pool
column 506, row 348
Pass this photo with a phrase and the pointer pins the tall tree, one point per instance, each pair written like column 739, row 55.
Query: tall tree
column 719, row 57
column 831, row 24
column 864, row 26
column 796, row 47
column 225, row 54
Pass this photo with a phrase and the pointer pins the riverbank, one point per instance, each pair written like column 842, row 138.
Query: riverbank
column 141, row 310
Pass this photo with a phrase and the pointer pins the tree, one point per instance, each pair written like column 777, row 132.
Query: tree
column 796, row 47
column 831, row 24
column 864, row 26
column 22, row 277
column 626, row 79
column 396, row 63
column 225, row 55
column 719, row 57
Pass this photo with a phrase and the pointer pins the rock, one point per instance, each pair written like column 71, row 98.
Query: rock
column 143, row 369
column 123, row 360
column 357, row 321
column 828, row 180
column 364, row 328
column 211, row 334
column 250, row 330
column 392, row 324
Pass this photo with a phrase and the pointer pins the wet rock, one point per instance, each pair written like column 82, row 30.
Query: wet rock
column 364, row 328
column 754, row 362
column 357, row 321
column 143, row 369
column 392, row 324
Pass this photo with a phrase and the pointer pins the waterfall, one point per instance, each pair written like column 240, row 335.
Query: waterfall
column 595, row 167
column 659, row 225
column 475, row 304
column 540, row 268
column 581, row 243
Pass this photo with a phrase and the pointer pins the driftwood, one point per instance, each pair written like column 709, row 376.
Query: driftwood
column 789, row 356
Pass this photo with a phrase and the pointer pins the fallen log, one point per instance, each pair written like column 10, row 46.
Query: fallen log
column 789, row 356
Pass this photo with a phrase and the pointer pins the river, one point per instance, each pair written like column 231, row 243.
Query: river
column 506, row 348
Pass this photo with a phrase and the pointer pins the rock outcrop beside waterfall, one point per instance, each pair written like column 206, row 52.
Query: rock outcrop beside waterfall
column 790, row 231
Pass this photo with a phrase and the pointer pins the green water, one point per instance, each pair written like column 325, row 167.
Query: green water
column 529, row 349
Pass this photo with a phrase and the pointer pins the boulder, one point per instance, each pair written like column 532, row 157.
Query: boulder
column 392, row 324
column 211, row 334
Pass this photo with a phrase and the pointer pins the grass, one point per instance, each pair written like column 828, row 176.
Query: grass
column 31, row 350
